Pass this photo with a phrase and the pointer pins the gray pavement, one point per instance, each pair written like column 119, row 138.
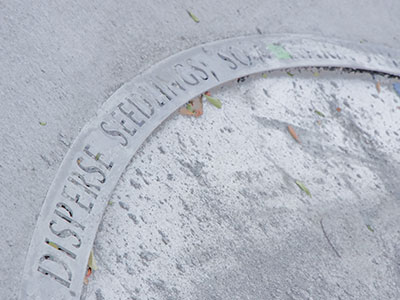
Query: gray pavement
column 61, row 61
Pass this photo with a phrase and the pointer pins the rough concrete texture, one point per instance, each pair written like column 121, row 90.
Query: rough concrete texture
column 60, row 61
column 209, row 207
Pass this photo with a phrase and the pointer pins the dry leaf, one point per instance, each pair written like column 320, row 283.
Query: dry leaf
column 290, row 74
column 214, row 101
column 54, row 245
column 378, row 86
column 293, row 133
column 91, row 266
column 196, row 19
column 338, row 109
column 193, row 108
column 303, row 187
column 184, row 111
column 198, row 106
column 88, row 273
column 92, row 263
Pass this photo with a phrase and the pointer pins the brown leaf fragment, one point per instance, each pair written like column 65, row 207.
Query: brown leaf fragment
column 338, row 109
column 293, row 133
column 86, row 279
column 378, row 86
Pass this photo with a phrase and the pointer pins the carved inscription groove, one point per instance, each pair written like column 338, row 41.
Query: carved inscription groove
column 67, row 225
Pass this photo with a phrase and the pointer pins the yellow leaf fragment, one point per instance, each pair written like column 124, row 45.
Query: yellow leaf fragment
column 92, row 263
column 303, row 187
column 53, row 245
column 196, row 19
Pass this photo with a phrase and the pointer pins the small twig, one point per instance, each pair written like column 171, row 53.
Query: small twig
column 329, row 241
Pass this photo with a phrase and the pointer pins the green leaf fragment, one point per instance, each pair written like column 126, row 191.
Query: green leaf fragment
column 303, row 187
column 92, row 263
column 214, row 101
column 279, row 51
column 370, row 228
column 196, row 19
column 97, row 157
column 290, row 74
column 316, row 74
column 43, row 123
column 319, row 113
column 190, row 108
column 264, row 75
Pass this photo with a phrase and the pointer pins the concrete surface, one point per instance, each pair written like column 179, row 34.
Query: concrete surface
column 209, row 207
column 60, row 61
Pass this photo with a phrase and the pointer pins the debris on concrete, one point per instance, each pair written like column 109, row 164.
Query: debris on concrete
column 303, row 187
column 378, row 86
column 92, row 266
column 196, row 19
column 193, row 108
column 214, row 101
column 290, row 74
column 293, row 134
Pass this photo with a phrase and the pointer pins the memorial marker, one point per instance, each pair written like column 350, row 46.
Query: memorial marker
column 66, row 228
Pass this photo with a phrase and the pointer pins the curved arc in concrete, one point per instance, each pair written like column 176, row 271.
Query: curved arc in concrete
column 66, row 227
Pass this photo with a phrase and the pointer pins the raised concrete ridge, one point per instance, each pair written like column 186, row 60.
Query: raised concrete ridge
column 56, row 262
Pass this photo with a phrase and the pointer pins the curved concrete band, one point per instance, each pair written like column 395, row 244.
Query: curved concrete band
column 66, row 228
